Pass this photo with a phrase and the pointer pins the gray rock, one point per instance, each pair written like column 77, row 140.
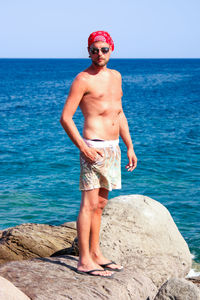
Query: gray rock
column 138, row 231
column 56, row 279
column 10, row 292
column 34, row 240
column 178, row 289
column 194, row 274
column 71, row 225
column 195, row 280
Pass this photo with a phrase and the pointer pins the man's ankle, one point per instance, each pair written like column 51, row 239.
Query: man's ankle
column 95, row 253
column 84, row 260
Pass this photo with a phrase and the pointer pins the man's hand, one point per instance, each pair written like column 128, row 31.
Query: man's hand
column 132, row 160
column 91, row 154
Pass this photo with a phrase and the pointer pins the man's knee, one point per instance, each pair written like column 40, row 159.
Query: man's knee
column 90, row 206
column 102, row 203
column 89, row 201
column 103, row 198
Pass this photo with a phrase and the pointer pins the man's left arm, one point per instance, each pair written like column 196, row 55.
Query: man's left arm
column 125, row 135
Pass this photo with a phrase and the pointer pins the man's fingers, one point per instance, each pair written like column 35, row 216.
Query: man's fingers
column 94, row 154
column 91, row 154
column 131, row 166
column 100, row 152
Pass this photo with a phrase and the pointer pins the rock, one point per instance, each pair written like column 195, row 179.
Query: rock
column 71, row 225
column 10, row 292
column 34, row 240
column 56, row 279
column 194, row 274
column 179, row 289
column 73, row 250
column 138, row 231
column 195, row 280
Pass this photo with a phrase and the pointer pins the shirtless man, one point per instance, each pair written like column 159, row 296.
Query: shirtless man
column 98, row 91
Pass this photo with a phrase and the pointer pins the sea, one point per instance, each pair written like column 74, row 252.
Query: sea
column 39, row 164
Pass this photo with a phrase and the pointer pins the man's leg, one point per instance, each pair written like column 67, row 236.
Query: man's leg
column 96, row 222
column 95, row 251
column 89, row 204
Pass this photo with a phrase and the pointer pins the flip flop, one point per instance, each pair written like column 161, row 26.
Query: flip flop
column 106, row 267
column 92, row 271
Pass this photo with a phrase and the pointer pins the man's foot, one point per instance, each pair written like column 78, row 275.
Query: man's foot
column 105, row 263
column 112, row 266
column 92, row 268
column 96, row 272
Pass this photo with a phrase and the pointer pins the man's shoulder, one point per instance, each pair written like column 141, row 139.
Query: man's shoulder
column 82, row 76
column 115, row 73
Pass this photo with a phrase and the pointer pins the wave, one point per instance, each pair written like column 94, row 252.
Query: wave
column 154, row 79
column 193, row 273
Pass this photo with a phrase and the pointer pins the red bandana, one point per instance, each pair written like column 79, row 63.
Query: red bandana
column 102, row 36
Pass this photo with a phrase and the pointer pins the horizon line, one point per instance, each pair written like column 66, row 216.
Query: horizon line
column 89, row 58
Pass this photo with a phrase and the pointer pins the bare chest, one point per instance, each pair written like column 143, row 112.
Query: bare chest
column 101, row 89
column 103, row 96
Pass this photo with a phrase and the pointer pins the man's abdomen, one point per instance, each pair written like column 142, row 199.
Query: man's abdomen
column 101, row 128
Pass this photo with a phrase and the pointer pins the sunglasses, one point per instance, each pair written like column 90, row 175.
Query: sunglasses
column 104, row 50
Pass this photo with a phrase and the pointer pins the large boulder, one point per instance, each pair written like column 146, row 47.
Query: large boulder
column 55, row 278
column 34, row 240
column 179, row 289
column 10, row 292
column 195, row 280
column 138, row 231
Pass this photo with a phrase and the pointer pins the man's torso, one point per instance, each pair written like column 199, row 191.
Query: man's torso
column 101, row 105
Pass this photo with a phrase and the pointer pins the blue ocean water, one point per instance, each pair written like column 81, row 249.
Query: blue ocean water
column 40, row 165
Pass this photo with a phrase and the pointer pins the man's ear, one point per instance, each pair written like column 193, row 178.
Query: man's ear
column 88, row 51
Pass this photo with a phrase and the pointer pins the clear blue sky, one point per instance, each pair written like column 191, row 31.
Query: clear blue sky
column 139, row 28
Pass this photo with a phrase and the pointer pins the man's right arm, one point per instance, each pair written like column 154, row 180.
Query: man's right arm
column 76, row 93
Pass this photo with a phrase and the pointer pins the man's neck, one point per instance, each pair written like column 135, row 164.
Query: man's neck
column 98, row 69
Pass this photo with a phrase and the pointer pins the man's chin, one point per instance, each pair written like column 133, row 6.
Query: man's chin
column 100, row 63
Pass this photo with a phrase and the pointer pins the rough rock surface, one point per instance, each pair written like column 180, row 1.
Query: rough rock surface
column 139, row 231
column 71, row 225
column 179, row 289
column 56, row 279
column 136, row 231
column 10, row 292
column 195, row 280
column 34, row 240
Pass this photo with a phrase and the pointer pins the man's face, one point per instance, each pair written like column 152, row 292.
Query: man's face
column 98, row 53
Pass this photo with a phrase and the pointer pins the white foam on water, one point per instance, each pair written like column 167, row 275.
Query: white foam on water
column 192, row 273
column 148, row 80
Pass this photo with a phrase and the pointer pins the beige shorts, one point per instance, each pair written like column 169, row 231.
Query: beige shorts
column 105, row 172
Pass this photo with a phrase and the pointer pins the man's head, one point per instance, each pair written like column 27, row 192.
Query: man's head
column 100, row 46
column 100, row 36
